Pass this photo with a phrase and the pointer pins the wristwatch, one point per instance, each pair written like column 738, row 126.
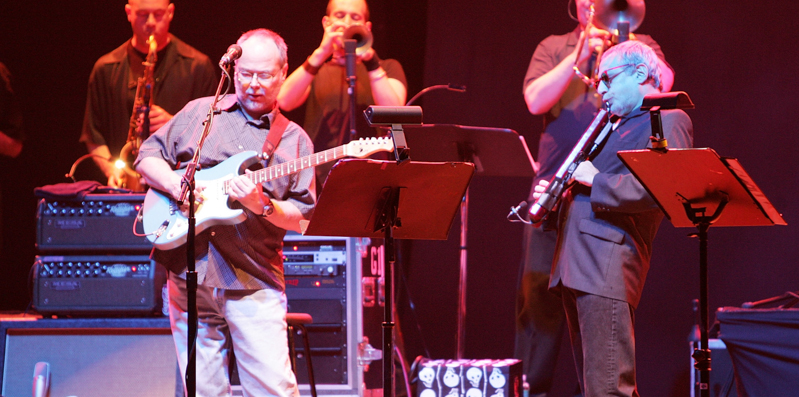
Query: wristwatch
column 269, row 208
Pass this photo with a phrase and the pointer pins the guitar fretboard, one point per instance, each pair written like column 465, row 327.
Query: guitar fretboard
column 293, row 166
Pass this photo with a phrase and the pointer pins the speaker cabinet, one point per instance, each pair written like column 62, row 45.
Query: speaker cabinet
column 90, row 357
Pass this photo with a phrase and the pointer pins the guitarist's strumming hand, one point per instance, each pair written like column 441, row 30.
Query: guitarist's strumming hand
column 199, row 186
column 243, row 190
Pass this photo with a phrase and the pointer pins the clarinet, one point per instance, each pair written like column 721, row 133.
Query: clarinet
column 591, row 139
column 139, row 128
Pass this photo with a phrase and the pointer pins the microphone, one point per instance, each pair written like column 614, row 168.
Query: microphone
column 233, row 53
column 514, row 215
column 41, row 379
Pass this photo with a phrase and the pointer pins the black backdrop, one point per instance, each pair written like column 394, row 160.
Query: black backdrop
column 736, row 59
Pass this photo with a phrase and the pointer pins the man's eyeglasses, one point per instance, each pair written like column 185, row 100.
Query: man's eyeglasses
column 603, row 78
column 246, row 77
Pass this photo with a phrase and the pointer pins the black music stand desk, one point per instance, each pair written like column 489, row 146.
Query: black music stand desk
column 493, row 151
column 383, row 199
column 697, row 188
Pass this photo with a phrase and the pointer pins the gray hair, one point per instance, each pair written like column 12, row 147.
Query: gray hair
column 635, row 52
column 267, row 34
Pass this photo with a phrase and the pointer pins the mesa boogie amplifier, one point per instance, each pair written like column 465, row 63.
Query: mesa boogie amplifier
column 98, row 222
column 97, row 284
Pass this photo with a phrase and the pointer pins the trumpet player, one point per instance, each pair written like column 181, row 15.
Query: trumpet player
column 606, row 226
column 554, row 90
column 321, row 81
column 181, row 74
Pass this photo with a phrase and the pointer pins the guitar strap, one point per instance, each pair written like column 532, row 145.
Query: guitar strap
column 276, row 130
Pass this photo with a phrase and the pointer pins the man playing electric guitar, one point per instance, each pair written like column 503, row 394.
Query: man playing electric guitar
column 240, row 299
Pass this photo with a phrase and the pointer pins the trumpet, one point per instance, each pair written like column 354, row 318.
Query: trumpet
column 620, row 18
column 139, row 128
column 362, row 37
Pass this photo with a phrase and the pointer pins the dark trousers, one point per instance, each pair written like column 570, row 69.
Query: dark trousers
column 603, row 341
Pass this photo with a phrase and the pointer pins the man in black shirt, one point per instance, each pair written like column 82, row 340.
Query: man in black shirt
column 181, row 74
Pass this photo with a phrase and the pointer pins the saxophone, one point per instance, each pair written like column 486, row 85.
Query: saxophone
column 139, row 128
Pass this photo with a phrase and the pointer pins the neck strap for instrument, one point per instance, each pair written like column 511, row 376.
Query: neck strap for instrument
column 276, row 130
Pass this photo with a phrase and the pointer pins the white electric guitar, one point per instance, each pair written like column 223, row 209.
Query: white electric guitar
column 167, row 225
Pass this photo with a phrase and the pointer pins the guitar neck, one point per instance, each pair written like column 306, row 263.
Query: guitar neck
column 294, row 166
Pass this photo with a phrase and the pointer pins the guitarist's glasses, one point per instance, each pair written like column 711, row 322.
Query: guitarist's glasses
column 247, row 77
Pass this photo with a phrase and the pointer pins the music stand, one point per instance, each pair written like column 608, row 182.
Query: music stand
column 383, row 199
column 697, row 188
column 493, row 151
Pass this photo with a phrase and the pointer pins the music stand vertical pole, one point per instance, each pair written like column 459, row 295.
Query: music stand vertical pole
column 388, row 315
column 702, row 356
column 387, row 220
column 461, row 339
column 702, row 221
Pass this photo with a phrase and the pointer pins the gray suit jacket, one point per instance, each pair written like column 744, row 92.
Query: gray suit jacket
column 605, row 232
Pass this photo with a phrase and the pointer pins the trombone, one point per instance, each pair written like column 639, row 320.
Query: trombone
column 620, row 18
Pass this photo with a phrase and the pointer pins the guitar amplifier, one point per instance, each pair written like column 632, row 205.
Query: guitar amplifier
column 97, row 222
column 98, row 284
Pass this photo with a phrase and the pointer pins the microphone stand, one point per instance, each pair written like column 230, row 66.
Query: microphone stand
column 349, row 48
column 187, row 192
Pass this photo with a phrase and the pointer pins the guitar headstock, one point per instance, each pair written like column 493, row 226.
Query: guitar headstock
column 366, row 146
